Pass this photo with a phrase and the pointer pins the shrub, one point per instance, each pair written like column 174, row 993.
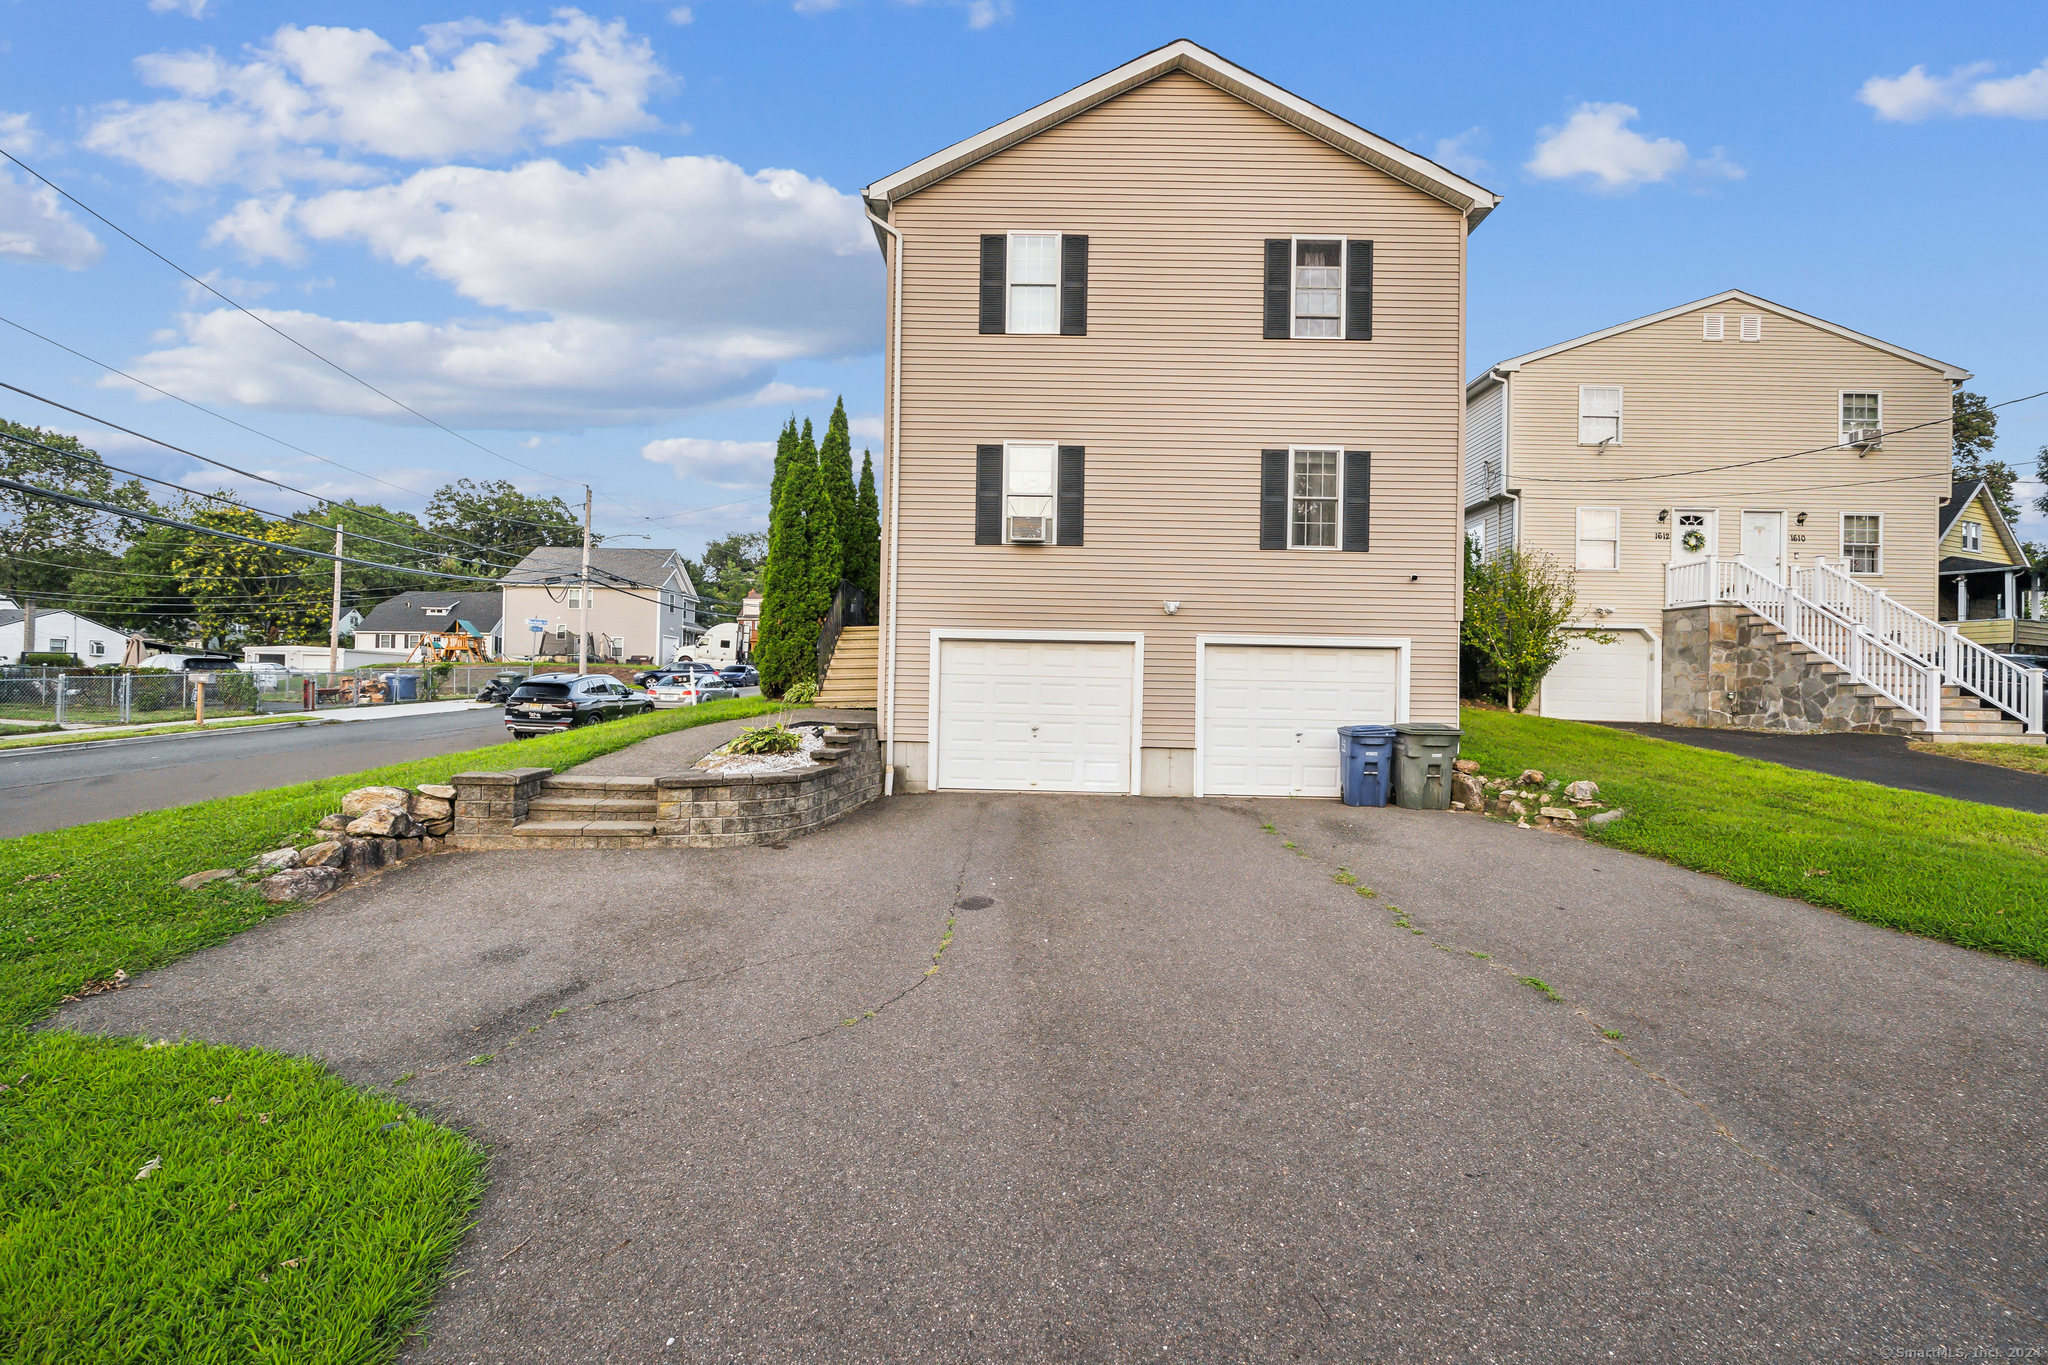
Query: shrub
column 801, row 694
column 49, row 660
column 767, row 739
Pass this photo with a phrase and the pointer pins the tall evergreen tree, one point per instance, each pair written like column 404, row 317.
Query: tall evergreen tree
column 786, row 573
column 867, row 521
column 835, row 470
column 827, row 560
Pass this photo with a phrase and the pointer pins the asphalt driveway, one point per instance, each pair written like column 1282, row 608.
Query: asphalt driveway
column 1175, row 1092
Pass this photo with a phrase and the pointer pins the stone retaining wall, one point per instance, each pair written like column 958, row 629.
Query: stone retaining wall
column 1729, row 669
column 693, row 809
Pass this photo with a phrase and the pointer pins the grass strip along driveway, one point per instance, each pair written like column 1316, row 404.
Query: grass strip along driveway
column 1965, row 873
column 142, row 731
column 179, row 1201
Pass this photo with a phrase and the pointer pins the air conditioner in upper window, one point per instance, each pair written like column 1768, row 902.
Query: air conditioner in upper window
column 1029, row 530
column 1864, row 438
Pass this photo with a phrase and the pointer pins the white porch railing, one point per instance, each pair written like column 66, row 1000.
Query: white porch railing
column 1911, row 682
column 2013, row 688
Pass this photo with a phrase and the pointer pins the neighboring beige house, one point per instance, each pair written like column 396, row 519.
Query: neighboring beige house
column 1987, row 585
column 1175, row 397
column 1731, row 427
column 643, row 606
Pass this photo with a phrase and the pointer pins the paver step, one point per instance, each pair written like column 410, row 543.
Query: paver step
column 571, row 829
column 591, row 808
column 1964, row 737
column 627, row 787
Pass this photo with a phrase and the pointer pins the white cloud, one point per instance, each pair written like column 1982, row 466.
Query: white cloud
column 191, row 9
column 722, row 464
column 778, row 394
column 34, row 227
column 681, row 14
column 1461, row 153
column 1597, row 142
column 307, row 102
column 980, row 13
column 1967, row 90
column 868, row 426
column 261, row 228
column 19, row 134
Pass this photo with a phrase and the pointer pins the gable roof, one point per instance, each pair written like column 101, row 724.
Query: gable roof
column 623, row 568
column 1474, row 201
column 1961, row 493
column 1954, row 373
column 407, row 612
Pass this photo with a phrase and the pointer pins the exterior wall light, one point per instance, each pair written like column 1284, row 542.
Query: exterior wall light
column 1171, row 608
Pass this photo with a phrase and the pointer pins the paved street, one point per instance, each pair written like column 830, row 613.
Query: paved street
column 71, row 784
column 1175, row 1092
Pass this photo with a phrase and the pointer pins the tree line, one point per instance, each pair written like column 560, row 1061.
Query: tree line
column 171, row 584
column 823, row 528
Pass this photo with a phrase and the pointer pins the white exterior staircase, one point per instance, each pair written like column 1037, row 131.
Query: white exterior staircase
column 1953, row 687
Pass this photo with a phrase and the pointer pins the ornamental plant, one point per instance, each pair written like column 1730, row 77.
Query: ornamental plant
column 1519, row 606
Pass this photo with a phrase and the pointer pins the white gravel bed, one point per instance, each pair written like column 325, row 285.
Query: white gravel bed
column 739, row 765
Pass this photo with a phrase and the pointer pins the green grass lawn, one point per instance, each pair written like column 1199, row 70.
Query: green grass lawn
column 189, row 1263
column 124, row 732
column 1969, row 874
column 2026, row 758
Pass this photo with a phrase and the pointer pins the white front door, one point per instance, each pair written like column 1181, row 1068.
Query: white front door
column 1695, row 532
column 1035, row 715
column 1763, row 543
column 1270, row 713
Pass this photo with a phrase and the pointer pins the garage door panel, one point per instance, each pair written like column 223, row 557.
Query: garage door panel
column 1051, row 715
column 1270, row 713
column 1602, row 682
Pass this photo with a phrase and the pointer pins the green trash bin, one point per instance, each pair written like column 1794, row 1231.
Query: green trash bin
column 1423, row 755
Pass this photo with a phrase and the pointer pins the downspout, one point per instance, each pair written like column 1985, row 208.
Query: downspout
column 894, row 458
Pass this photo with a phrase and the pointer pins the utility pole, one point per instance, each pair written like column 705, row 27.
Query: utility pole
column 583, row 595
column 334, row 621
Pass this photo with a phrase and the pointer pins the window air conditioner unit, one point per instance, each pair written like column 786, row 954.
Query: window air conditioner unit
column 1029, row 530
column 1866, row 438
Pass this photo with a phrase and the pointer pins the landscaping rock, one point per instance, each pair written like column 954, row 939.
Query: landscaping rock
column 1582, row 790
column 329, row 854
column 410, row 847
column 1607, row 817
column 301, row 883
column 385, row 822
column 1531, row 777
column 334, row 823
column 367, row 855
column 426, row 808
column 1557, row 813
column 277, row 860
column 1467, row 791
column 1465, row 765
column 199, row 879
column 439, row 829
column 440, row 789
column 363, row 800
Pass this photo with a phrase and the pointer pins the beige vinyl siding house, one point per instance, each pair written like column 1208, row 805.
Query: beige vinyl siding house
column 643, row 606
column 1148, row 420
column 1727, row 420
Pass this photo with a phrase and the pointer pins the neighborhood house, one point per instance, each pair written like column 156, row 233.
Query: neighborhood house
column 1175, row 378
column 399, row 624
column 59, row 632
column 642, row 604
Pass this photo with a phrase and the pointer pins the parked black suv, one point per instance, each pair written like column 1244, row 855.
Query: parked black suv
column 561, row 701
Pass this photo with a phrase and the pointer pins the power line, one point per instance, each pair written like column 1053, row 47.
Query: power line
column 1771, row 459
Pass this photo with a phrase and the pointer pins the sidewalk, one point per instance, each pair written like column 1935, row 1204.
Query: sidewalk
column 398, row 709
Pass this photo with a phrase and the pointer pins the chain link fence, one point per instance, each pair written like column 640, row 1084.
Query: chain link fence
column 44, row 695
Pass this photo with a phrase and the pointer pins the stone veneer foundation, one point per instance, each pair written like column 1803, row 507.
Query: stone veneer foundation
column 692, row 809
column 1727, row 668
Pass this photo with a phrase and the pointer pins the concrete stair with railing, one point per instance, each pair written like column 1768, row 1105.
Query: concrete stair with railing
column 850, row 676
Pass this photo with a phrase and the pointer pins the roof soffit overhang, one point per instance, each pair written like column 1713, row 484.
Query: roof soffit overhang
column 1472, row 200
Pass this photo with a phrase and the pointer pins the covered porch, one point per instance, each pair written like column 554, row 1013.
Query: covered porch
column 1998, row 606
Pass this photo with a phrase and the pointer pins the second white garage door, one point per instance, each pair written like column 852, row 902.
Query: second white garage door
column 1035, row 715
column 1270, row 713
column 1601, row 682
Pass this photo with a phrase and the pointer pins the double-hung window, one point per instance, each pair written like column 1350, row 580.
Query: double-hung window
column 1312, row 500
column 384, row 641
column 1318, row 288
column 1863, row 542
column 1027, row 493
column 60, row 644
column 1599, row 537
column 1862, row 413
column 1599, row 414
column 574, row 598
column 1973, row 536
column 1034, row 282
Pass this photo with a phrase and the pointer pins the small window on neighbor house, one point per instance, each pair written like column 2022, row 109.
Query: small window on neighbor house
column 436, row 611
column 1312, row 500
column 574, row 598
column 384, row 642
column 99, row 648
column 1752, row 326
column 1599, row 537
column 1714, row 327
column 1476, row 533
column 1318, row 289
column 1973, row 536
column 1027, row 493
column 1034, row 282
column 1863, row 542
column 60, row 644
column 1599, row 414
column 1862, row 412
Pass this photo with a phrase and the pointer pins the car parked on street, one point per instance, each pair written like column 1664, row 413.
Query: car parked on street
column 741, row 675
column 690, row 689
column 548, row 702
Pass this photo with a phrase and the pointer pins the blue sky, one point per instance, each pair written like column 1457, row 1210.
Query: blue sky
column 620, row 243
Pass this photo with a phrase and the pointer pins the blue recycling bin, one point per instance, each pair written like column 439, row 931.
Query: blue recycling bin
column 1365, row 758
column 405, row 687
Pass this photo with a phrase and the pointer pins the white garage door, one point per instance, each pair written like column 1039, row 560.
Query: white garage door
column 1601, row 682
column 1270, row 714
column 1035, row 715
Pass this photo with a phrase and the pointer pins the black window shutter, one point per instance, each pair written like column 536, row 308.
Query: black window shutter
column 988, row 495
column 1272, row 500
column 1279, row 305
column 995, row 280
column 1358, row 291
column 1357, row 512
column 1073, row 288
column 1073, row 490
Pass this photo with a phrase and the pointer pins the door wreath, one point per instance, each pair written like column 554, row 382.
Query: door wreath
column 1694, row 541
